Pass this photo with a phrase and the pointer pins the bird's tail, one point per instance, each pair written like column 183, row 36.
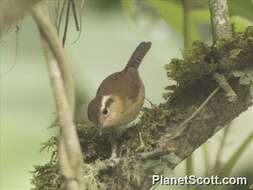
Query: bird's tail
column 138, row 55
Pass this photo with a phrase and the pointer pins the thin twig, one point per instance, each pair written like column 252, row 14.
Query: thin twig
column 183, row 125
column 221, row 148
column 81, row 7
column 73, row 5
column 66, row 24
column 151, row 103
column 60, row 16
column 56, row 12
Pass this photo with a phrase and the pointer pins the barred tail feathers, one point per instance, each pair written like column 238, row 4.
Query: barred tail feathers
column 138, row 55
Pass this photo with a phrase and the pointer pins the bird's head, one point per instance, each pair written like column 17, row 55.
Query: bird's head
column 105, row 110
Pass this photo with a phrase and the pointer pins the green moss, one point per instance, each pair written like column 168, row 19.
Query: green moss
column 203, row 60
column 47, row 177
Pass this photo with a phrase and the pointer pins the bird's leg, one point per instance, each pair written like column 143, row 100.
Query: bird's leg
column 114, row 146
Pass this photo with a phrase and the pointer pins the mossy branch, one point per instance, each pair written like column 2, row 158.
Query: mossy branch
column 157, row 125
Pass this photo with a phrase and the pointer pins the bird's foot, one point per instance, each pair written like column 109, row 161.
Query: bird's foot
column 142, row 145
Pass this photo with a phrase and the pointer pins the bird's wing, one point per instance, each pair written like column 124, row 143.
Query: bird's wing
column 124, row 83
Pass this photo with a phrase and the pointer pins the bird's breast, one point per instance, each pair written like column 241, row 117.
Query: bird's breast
column 133, row 107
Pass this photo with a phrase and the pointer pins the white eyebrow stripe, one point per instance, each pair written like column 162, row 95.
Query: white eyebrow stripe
column 103, row 102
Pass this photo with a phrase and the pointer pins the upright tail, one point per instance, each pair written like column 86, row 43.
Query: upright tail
column 138, row 55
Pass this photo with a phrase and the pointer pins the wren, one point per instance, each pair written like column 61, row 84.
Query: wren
column 121, row 95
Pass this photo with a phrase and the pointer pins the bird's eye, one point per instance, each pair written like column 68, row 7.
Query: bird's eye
column 105, row 112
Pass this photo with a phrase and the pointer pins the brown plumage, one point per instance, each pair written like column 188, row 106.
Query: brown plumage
column 120, row 96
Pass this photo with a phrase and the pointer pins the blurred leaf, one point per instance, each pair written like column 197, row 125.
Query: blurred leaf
column 103, row 5
column 196, row 4
column 199, row 4
column 128, row 7
column 171, row 11
column 201, row 16
column 240, row 23
column 243, row 8
column 227, row 168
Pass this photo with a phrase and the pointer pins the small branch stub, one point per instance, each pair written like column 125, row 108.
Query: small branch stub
column 223, row 83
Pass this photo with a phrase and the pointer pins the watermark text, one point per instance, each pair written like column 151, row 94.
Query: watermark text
column 194, row 180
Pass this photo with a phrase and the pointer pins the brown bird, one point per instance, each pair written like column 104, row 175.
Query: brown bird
column 121, row 95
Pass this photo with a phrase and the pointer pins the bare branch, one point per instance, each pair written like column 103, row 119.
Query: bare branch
column 70, row 155
column 49, row 32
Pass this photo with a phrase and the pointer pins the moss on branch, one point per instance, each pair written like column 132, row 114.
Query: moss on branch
column 194, row 82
